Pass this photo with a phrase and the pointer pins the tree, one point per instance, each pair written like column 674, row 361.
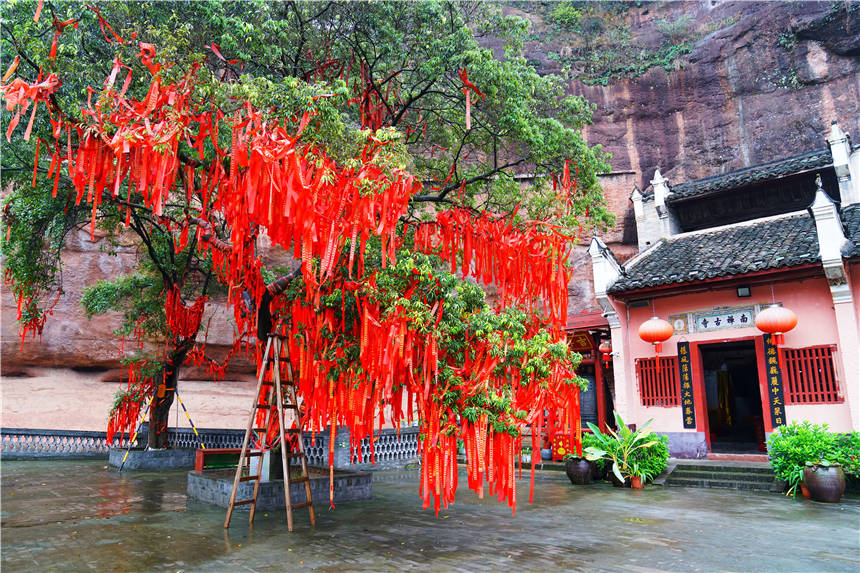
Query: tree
column 314, row 123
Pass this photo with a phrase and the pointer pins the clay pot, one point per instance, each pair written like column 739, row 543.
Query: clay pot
column 636, row 482
column 578, row 470
column 804, row 491
column 616, row 482
column 598, row 473
column 825, row 484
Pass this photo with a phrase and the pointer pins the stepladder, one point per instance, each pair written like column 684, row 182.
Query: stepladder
column 274, row 424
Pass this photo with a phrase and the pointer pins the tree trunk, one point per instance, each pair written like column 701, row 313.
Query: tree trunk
column 159, row 414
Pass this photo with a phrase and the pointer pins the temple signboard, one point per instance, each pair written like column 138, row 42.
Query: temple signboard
column 686, row 378
column 776, row 402
column 717, row 318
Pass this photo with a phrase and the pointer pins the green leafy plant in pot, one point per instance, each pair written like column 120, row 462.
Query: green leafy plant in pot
column 791, row 447
column 619, row 447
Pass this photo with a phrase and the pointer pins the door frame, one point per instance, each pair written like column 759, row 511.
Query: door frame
column 700, row 399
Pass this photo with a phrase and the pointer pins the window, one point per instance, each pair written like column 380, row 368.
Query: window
column 658, row 381
column 809, row 376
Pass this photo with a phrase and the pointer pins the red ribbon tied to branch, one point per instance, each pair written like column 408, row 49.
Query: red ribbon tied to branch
column 468, row 88
column 59, row 27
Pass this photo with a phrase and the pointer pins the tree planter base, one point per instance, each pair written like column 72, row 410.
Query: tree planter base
column 140, row 459
column 214, row 486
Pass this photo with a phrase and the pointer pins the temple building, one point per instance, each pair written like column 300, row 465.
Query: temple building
column 713, row 253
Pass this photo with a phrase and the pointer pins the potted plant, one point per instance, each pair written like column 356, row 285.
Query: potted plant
column 792, row 446
column 598, row 467
column 638, row 476
column 825, row 480
column 620, row 448
column 578, row 470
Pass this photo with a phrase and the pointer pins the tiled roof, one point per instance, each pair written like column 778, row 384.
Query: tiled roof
column 851, row 224
column 750, row 175
column 778, row 242
column 586, row 320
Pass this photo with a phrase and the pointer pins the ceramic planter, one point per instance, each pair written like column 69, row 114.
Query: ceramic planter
column 825, row 484
column 579, row 471
column 636, row 482
column 616, row 482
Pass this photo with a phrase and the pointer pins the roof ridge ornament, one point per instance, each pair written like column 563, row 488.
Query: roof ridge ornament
column 822, row 199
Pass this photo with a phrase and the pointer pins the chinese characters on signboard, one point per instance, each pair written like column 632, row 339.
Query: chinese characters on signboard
column 774, row 383
column 728, row 319
column 686, row 378
column 716, row 318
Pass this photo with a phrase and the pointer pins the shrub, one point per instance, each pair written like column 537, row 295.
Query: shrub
column 652, row 460
column 847, row 452
column 590, row 441
column 793, row 445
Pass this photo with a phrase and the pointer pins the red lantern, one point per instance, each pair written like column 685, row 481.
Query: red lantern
column 776, row 320
column 605, row 349
column 656, row 331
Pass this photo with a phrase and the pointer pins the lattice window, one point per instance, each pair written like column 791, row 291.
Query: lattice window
column 658, row 381
column 809, row 376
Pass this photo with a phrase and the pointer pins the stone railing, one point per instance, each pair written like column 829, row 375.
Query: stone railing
column 24, row 443
column 391, row 451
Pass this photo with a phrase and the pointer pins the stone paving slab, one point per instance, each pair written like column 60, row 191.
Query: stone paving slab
column 80, row 516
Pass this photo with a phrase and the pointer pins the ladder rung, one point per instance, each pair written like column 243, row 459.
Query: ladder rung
column 294, row 430
column 244, row 502
column 300, row 480
column 248, row 478
column 293, row 406
column 295, row 455
column 260, row 429
column 263, row 406
column 301, row 505
column 253, row 454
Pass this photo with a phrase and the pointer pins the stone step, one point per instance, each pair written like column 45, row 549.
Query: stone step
column 737, row 457
column 723, row 476
column 724, row 469
column 719, row 484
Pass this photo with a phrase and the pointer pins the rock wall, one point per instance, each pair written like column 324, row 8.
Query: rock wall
column 764, row 84
column 763, row 81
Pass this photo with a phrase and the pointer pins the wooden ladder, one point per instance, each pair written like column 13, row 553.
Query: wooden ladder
column 284, row 395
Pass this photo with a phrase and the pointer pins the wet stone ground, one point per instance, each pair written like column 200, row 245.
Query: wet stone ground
column 79, row 516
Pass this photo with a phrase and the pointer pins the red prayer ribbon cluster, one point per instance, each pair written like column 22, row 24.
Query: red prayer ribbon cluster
column 352, row 369
column 526, row 265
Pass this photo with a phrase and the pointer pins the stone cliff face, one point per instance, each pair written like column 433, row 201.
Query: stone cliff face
column 762, row 81
column 764, row 84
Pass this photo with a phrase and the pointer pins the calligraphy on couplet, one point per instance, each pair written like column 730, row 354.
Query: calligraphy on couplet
column 686, row 378
column 774, row 382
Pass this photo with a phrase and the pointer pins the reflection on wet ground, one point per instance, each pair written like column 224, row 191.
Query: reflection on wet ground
column 78, row 516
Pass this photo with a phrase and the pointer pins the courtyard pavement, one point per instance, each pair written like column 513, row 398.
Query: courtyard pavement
column 79, row 516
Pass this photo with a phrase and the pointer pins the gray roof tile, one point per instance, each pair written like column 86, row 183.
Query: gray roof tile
column 851, row 224
column 748, row 176
column 770, row 244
